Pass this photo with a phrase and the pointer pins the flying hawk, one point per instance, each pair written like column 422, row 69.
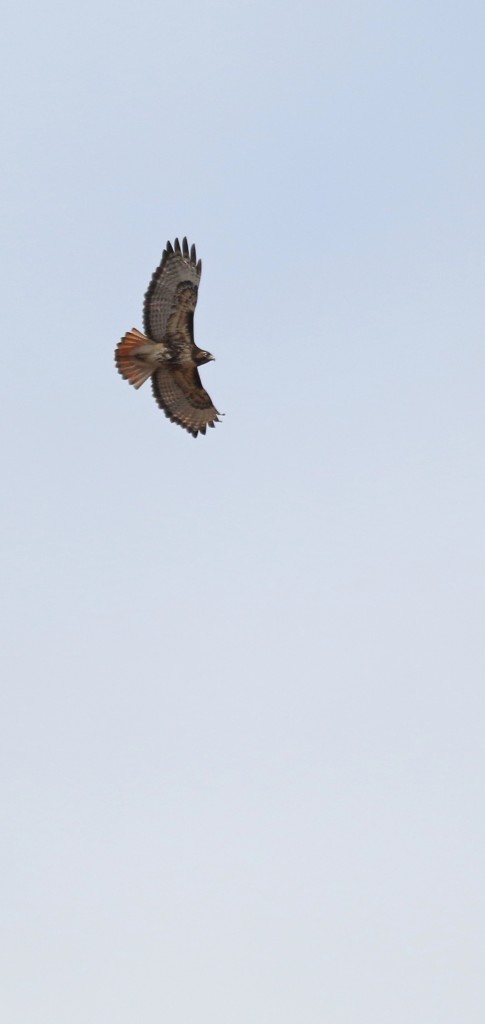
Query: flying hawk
column 167, row 352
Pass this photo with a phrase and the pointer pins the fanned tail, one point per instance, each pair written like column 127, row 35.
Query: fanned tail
column 133, row 367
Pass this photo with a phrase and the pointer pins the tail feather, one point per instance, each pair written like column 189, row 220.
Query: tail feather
column 132, row 367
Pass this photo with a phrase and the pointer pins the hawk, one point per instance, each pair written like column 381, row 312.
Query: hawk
column 167, row 351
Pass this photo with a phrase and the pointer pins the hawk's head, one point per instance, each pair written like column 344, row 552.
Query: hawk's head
column 203, row 357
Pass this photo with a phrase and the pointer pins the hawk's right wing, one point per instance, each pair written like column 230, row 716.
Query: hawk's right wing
column 171, row 297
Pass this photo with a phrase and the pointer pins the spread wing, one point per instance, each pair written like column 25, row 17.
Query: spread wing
column 179, row 392
column 171, row 297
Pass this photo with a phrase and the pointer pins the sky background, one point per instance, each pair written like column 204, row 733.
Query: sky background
column 242, row 722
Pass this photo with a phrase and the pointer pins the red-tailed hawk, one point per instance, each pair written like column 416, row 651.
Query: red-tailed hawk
column 167, row 352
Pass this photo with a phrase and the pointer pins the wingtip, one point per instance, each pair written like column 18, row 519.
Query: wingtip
column 189, row 252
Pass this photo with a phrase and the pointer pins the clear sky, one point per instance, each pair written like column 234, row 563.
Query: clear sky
column 242, row 725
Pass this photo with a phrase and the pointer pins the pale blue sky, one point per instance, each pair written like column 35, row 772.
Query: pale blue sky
column 243, row 718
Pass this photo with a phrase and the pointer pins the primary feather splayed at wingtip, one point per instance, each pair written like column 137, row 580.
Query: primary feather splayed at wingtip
column 187, row 253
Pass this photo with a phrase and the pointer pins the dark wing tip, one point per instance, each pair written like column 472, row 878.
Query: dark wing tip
column 189, row 254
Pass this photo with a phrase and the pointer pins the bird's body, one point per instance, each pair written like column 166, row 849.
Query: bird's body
column 167, row 351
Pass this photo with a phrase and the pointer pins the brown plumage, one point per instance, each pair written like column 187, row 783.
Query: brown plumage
column 167, row 351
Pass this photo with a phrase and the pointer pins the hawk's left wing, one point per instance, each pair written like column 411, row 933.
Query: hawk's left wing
column 171, row 298
column 179, row 392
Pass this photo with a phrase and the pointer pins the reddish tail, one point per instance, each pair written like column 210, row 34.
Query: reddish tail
column 132, row 367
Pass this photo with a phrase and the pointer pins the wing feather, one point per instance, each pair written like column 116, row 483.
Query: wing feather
column 179, row 392
column 171, row 297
